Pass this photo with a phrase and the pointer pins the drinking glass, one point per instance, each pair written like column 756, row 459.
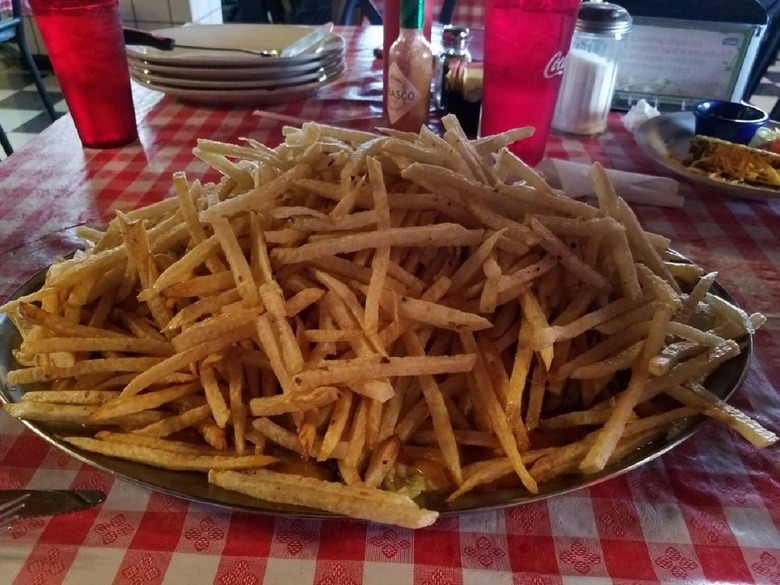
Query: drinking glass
column 85, row 43
column 526, row 42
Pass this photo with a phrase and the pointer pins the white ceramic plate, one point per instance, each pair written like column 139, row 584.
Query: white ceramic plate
column 259, row 37
column 666, row 139
column 245, row 83
column 248, row 97
column 279, row 71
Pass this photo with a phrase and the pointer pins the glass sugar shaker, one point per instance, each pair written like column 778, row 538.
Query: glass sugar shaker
column 455, row 49
column 591, row 69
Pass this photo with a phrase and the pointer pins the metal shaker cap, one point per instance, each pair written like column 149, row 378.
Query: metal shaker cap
column 455, row 37
column 603, row 18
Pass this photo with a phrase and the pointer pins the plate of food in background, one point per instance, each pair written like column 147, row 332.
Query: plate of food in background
column 727, row 168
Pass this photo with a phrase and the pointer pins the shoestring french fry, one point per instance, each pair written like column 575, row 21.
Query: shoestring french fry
column 389, row 314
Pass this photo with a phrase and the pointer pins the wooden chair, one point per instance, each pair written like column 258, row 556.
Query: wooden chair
column 12, row 29
column 347, row 12
column 447, row 9
column 5, row 143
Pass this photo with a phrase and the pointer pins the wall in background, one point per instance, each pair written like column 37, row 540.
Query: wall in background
column 146, row 15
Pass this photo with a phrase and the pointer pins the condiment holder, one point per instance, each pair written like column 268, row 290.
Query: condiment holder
column 729, row 121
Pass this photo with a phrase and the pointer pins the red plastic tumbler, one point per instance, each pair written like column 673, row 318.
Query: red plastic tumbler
column 86, row 46
column 526, row 42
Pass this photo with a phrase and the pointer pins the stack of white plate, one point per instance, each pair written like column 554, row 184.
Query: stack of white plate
column 216, row 77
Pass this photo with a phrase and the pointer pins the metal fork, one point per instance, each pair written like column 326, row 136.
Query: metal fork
column 9, row 510
column 141, row 37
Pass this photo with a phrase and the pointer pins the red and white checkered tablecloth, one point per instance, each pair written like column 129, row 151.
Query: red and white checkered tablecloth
column 708, row 511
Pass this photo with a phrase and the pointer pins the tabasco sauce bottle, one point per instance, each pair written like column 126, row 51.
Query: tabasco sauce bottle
column 410, row 67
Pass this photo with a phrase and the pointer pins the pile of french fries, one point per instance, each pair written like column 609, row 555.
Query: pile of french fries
column 349, row 319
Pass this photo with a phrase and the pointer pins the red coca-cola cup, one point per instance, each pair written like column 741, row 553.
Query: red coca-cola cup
column 526, row 43
column 86, row 46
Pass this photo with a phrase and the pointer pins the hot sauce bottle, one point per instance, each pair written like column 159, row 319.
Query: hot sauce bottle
column 410, row 68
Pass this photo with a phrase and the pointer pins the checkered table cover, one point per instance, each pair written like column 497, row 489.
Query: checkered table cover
column 706, row 512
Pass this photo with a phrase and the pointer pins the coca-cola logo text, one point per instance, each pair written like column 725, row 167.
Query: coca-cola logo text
column 554, row 66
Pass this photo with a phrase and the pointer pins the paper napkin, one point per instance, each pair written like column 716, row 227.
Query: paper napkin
column 575, row 180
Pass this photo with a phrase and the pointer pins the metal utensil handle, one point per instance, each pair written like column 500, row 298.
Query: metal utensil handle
column 133, row 36
column 254, row 52
column 307, row 41
column 50, row 502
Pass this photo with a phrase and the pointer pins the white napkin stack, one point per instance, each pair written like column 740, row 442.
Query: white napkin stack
column 575, row 180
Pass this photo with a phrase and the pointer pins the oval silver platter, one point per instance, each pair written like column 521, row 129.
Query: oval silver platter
column 195, row 487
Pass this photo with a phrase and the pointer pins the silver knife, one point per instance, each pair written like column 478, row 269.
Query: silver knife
column 307, row 41
column 51, row 502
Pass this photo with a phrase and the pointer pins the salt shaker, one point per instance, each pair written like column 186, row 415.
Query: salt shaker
column 591, row 69
column 455, row 49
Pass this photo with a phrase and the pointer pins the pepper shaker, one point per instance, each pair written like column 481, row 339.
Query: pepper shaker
column 455, row 49
column 591, row 69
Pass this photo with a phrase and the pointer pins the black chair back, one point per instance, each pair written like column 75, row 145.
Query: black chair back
column 12, row 29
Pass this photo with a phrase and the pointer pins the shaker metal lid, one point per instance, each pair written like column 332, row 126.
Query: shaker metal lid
column 603, row 18
column 454, row 36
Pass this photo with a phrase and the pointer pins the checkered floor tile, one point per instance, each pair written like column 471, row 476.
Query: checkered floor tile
column 768, row 90
column 22, row 114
